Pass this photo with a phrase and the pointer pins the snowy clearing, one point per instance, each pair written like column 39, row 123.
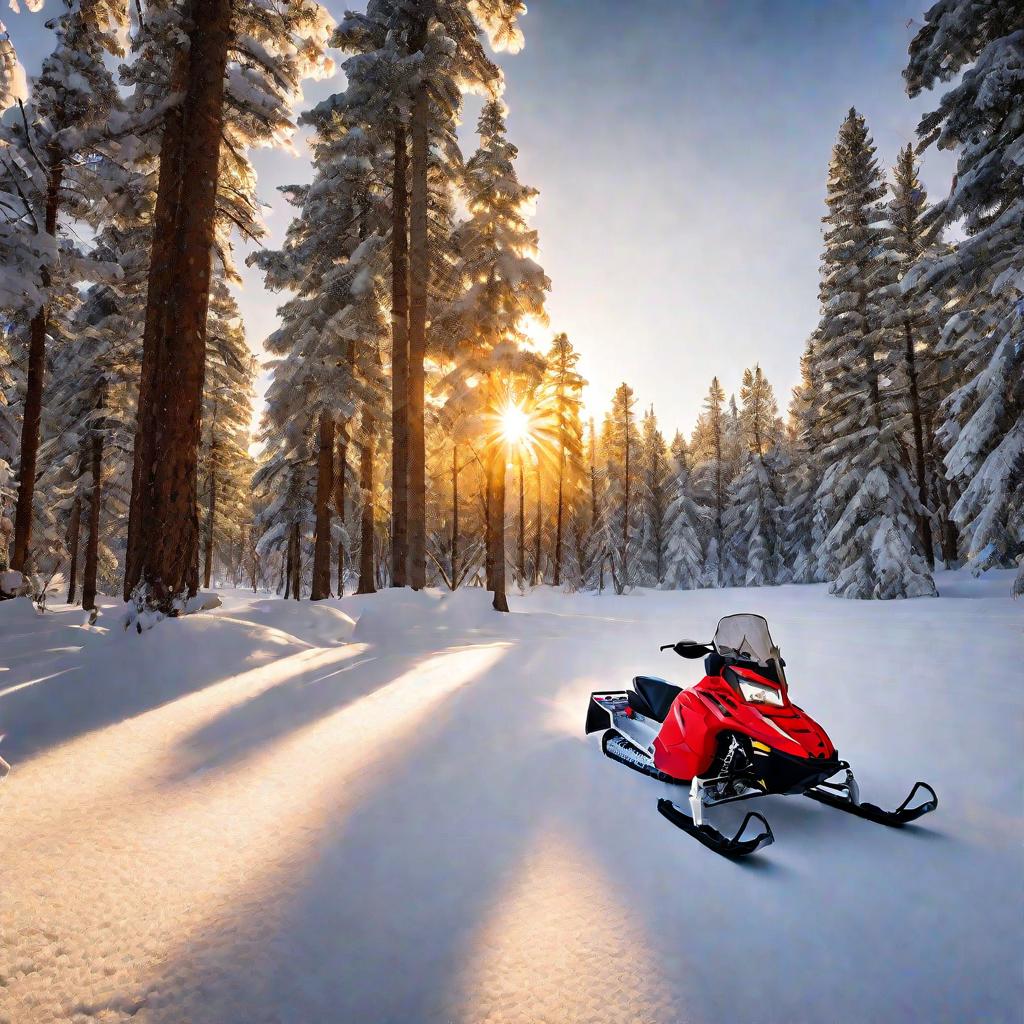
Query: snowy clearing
column 384, row 809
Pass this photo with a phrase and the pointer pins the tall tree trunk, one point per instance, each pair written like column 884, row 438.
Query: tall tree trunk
column 74, row 529
column 211, row 504
column 419, row 282
column 538, row 576
column 163, row 524
column 719, row 497
column 339, row 501
column 924, row 517
column 92, row 546
column 497, row 516
column 296, row 563
column 324, row 495
column 288, row 566
column 521, row 565
column 28, row 455
column 625, row 508
column 400, row 363
column 367, row 585
column 455, row 515
column 558, row 514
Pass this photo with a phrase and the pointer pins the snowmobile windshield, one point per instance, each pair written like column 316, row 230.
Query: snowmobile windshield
column 745, row 636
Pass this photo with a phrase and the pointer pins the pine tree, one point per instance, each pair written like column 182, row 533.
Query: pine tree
column 270, row 49
column 712, row 478
column 982, row 426
column 620, row 449
column 654, row 503
column 48, row 170
column 684, row 556
column 872, row 549
column 500, row 287
column 753, row 522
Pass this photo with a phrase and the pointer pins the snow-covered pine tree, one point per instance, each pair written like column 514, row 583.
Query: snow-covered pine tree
column 233, row 85
column 872, row 547
column 620, row 452
column 753, row 521
column 560, row 400
column 225, row 466
column 686, row 525
column 654, row 497
column 711, row 478
column 804, row 522
column 501, row 286
column 910, row 316
column 982, row 426
column 47, row 168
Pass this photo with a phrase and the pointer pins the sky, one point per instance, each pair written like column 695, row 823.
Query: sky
column 681, row 149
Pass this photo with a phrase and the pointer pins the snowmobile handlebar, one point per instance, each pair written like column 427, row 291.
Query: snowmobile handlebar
column 688, row 648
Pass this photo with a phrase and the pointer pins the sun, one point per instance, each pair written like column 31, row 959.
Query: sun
column 514, row 425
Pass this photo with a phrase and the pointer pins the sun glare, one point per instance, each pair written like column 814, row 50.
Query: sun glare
column 515, row 425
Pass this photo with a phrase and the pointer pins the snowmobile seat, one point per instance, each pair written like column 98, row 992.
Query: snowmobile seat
column 657, row 694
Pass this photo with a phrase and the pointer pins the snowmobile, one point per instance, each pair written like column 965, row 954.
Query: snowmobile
column 733, row 736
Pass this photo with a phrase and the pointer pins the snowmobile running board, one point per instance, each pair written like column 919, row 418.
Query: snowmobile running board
column 903, row 815
column 715, row 840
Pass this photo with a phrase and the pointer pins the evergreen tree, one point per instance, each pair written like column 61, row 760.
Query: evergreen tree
column 872, row 549
column 711, row 478
column 982, row 426
column 654, row 498
column 620, row 447
column 686, row 526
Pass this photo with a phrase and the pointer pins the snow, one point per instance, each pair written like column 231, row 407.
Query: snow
column 384, row 809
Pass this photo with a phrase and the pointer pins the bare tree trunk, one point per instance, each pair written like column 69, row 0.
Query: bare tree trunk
column 211, row 505
column 399, row 363
column 324, row 494
column 419, row 282
column 538, row 576
column 339, row 501
column 521, row 567
column 163, row 523
column 296, row 563
column 455, row 515
column 28, row 455
column 288, row 566
column 924, row 517
column 74, row 529
column 497, row 516
column 367, row 584
column 92, row 546
column 558, row 514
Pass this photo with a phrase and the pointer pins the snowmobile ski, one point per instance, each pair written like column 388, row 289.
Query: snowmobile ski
column 903, row 815
column 715, row 840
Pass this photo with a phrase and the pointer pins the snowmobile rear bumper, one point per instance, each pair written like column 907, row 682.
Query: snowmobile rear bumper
column 603, row 703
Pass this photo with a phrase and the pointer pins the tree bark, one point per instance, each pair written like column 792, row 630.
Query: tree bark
column 339, row 501
column 538, row 576
column 324, row 495
column 558, row 514
column 296, row 563
column 211, row 503
column 924, row 517
column 163, row 521
column 419, row 282
column 288, row 567
column 455, row 516
column 367, row 584
column 92, row 547
column 399, row 363
column 74, row 529
column 497, row 516
column 28, row 456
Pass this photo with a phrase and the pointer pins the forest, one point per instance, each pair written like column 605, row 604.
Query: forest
column 421, row 427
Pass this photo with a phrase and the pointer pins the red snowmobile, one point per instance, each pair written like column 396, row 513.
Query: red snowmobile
column 733, row 736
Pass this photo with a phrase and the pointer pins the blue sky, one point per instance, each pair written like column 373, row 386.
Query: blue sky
column 680, row 148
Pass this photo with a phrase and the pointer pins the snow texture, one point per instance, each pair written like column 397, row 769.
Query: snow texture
column 384, row 809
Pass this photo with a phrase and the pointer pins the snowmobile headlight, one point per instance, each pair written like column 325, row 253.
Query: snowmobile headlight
column 755, row 693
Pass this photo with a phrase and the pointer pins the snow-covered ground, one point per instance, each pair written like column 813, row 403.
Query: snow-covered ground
column 384, row 809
